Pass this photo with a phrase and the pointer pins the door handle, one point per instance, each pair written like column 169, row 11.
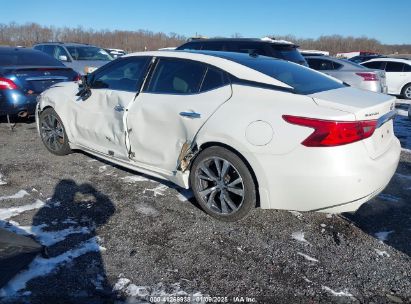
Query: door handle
column 190, row 114
column 119, row 108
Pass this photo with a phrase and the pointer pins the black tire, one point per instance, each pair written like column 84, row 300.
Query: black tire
column 53, row 133
column 226, row 178
column 406, row 91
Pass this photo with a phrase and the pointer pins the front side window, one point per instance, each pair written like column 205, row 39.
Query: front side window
column 320, row 64
column 176, row 76
column 88, row 53
column 124, row 75
column 49, row 49
column 407, row 68
column 394, row 66
column 61, row 52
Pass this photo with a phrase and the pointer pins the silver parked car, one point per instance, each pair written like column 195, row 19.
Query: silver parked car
column 83, row 58
column 349, row 72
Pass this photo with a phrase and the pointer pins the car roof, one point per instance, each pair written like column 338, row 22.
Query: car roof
column 223, row 60
column 9, row 49
column 258, row 40
column 65, row 43
column 389, row 59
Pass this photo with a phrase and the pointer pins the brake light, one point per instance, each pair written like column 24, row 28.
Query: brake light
column 7, row 84
column 367, row 76
column 329, row 133
column 77, row 77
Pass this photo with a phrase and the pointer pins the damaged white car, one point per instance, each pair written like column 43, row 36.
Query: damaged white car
column 240, row 130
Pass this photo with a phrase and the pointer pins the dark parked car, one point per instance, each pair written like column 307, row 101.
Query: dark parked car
column 266, row 46
column 363, row 58
column 24, row 74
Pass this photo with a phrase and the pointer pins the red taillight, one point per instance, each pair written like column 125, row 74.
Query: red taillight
column 329, row 133
column 7, row 84
column 367, row 76
column 77, row 77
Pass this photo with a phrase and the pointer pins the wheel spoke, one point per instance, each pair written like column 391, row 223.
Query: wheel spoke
column 218, row 166
column 224, row 170
column 237, row 191
column 223, row 203
column 205, row 192
column 208, row 172
column 230, row 202
column 211, row 201
column 237, row 181
column 203, row 177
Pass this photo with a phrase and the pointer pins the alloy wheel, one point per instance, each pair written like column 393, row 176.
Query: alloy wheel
column 220, row 185
column 52, row 132
column 407, row 92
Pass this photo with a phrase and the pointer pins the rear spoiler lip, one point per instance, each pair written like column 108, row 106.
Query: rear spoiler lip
column 31, row 67
column 386, row 117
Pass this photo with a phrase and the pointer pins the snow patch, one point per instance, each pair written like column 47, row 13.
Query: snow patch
column 389, row 197
column 157, row 191
column 307, row 257
column 184, row 195
column 2, row 180
column 20, row 194
column 344, row 293
column 135, row 179
column 7, row 213
column 299, row 236
column 406, row 150
column 102, row 169
column 382, row 253
column 41, row 266
column 121, row 284
column 146, row 210
column 136, row 291
column 296, row 214
column 402, row 112
column 383, row 235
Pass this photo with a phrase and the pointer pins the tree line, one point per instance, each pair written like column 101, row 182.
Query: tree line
column 14, row 34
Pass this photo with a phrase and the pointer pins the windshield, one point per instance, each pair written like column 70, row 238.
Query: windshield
column 288, row 52
column 303, row 80
column 27, row 58
column 88, row 53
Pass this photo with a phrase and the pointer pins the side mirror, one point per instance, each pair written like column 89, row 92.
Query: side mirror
column 63, row 58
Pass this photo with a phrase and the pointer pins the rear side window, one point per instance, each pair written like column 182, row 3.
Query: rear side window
column 303, row 80
column 394, row 66
column 214, row 79
column 49, row 49
column 176, row 76
column 38, row 47
column 124, row 75
column 378, row 65
column 27, row 57
column 247, row 47
column 287, row 52
column 190, row 46
column 320, row 64
column 407, row 68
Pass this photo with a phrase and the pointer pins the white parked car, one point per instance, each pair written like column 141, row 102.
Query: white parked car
column 397, row 73
column 240, row 130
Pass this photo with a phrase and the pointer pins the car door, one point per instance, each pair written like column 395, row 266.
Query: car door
column 98, row 119
column 176, row 101
column 395, row 76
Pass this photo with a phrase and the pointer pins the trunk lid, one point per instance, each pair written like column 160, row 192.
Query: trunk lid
column 364, row 105
column 36, row 79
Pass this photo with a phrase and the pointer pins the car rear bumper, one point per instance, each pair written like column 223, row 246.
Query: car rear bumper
column 13, row 102
column 337, row 179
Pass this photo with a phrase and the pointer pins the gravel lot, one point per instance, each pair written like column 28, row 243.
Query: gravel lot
column 114, row 236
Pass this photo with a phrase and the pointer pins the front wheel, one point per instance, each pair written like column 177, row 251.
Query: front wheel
column 52, row 132
column 223, row 184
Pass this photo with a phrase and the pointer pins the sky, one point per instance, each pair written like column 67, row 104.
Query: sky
column 387, row 21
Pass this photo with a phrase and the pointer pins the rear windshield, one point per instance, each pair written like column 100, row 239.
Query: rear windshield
column 303, row 80
column 88, row 53
column 288, row 52
column 27, row 57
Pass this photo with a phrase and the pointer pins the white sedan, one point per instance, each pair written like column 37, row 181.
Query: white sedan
column 240, row 130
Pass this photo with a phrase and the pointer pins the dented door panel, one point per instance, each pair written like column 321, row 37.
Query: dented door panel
column 160, row 124
column 99, row 121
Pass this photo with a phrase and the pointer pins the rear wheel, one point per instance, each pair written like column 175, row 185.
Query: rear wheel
column 223, row 184
column 52, row 132
column 406, row 91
